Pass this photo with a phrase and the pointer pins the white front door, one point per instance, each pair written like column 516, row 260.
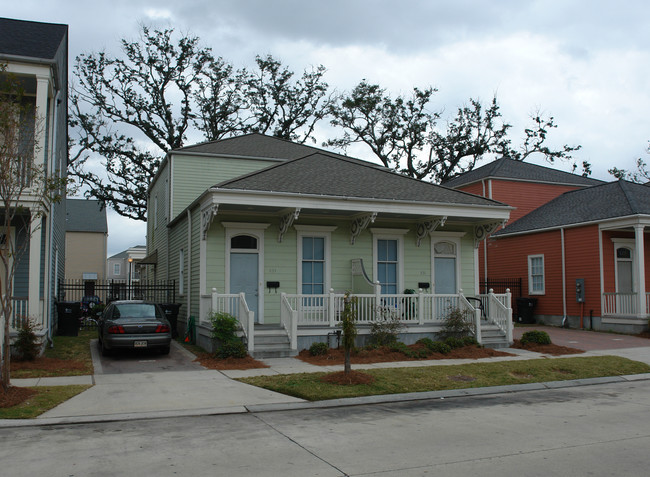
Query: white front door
column 244, row 278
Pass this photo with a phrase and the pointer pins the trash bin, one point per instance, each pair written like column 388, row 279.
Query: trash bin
column 171, row 312
column 69, row 314
column 526, row 310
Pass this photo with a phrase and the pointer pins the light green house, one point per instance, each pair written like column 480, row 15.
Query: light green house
column 276, row 232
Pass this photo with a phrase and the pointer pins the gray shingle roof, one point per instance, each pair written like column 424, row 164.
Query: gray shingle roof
column 324, row 174
column 254, row 145
column 592, row 204
column 84, row 215
column 30, row 39
column 519, row 170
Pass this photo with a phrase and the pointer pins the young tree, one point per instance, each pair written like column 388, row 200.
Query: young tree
column 403, row 133
column 128, row 111
column 349, row 328
column 22, row 181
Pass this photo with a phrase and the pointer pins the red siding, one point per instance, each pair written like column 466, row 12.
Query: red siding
column 582, row 261
column 509, row 259
column 525, row 196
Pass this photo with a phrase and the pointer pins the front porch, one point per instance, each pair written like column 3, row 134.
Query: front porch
column 305, row 319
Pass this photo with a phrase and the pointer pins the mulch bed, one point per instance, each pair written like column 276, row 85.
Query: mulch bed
column 14, row 396
column 644, row 334
column 48, row 364
column 385, row 355
column 209, row 361
column 553, row 350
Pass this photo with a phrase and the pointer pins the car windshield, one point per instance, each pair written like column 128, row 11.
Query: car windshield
column 134, row 310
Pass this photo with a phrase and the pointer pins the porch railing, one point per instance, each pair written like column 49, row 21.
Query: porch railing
column 620, row 303
column 499, row 312
column 233, row 304
column 19, row 311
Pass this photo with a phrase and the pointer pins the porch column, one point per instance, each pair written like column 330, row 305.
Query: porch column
column 34, row 299
column 640, row 269
column 42, row 93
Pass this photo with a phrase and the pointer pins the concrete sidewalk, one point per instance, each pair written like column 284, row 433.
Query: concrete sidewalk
column 185, row 393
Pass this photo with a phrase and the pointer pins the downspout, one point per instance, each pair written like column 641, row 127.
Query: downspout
column 564, row 317
column 189, row 262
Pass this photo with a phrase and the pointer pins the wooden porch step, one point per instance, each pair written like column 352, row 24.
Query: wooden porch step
column 271, row 341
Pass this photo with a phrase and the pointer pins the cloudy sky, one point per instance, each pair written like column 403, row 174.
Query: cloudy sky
column 584, row 62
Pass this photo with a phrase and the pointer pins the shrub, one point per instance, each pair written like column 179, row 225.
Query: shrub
column 439, row 347
column 456, row 325
column 234, row 349
column 470, row 341
column 224, row 326
column 406, row 351
column 454, row 342
column 26, row 345
column 224, row 330
column 318, row 349
column 385, row 329
column 428, row 342
column 536, row 336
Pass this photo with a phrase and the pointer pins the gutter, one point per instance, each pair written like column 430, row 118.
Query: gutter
column 564, row 315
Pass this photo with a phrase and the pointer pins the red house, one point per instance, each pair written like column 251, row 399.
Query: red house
column 577, row 245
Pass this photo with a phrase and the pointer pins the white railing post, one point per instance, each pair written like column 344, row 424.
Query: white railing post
column 251, row 331
column 509, row 316
column 331, row 310
column 420, row 307
column 377, row 286
column 294, row 330
column 215, row 298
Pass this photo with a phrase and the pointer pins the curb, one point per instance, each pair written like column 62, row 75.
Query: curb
column 334, row 403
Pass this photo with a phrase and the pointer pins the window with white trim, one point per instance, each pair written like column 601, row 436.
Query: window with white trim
column 313, row 265
column 536, row 274
column 117, row 269
column 388, row 265
column 181, row 271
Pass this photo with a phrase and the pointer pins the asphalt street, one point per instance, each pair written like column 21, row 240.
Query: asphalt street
column 586, row 430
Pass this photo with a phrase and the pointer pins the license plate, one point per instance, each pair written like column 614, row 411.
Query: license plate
column 139, row 344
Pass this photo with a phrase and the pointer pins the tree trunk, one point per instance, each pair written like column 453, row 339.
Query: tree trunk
column 346, row 366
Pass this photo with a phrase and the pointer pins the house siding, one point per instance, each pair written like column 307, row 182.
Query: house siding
column 281, row 259
column 157, row 232
column 582, row 259
column 198, row 173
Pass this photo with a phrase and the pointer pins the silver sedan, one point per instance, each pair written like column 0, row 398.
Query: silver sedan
column 134, row 324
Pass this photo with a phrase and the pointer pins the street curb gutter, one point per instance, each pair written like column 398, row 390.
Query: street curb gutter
column 333, row 403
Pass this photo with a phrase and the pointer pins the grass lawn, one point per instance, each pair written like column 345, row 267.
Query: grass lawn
column 310, row 386
column 44, row 399
column 70, row 356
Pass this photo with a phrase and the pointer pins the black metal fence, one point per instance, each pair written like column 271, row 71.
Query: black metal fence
column 106, row 291
column 500, row 285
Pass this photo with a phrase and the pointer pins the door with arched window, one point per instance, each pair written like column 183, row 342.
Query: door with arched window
column 445, row 267
column 244, row 269
column 625, row 298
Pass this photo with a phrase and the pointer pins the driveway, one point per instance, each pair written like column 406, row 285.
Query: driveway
column 143, row 361
column 585, row 340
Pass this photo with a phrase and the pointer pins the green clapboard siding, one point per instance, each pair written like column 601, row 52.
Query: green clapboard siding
column 193, row 175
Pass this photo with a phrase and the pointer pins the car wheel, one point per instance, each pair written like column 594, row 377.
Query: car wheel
column 164, row 350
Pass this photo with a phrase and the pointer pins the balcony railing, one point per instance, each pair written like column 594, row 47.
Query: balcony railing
column 620, row 304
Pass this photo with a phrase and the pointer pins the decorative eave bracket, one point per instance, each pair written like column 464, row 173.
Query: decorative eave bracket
column 286, row 221
column 427, row 227
column 481, row 232
column 208, row 214
column 359, row 224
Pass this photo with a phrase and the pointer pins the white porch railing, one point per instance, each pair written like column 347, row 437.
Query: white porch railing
column 499, row 312
column 620, row 304
column 289, row 321
column 19, row 311
column 418, row 309
column 234, row 304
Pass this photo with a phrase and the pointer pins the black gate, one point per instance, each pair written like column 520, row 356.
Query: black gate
column 106, row 291
column 500, row 285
